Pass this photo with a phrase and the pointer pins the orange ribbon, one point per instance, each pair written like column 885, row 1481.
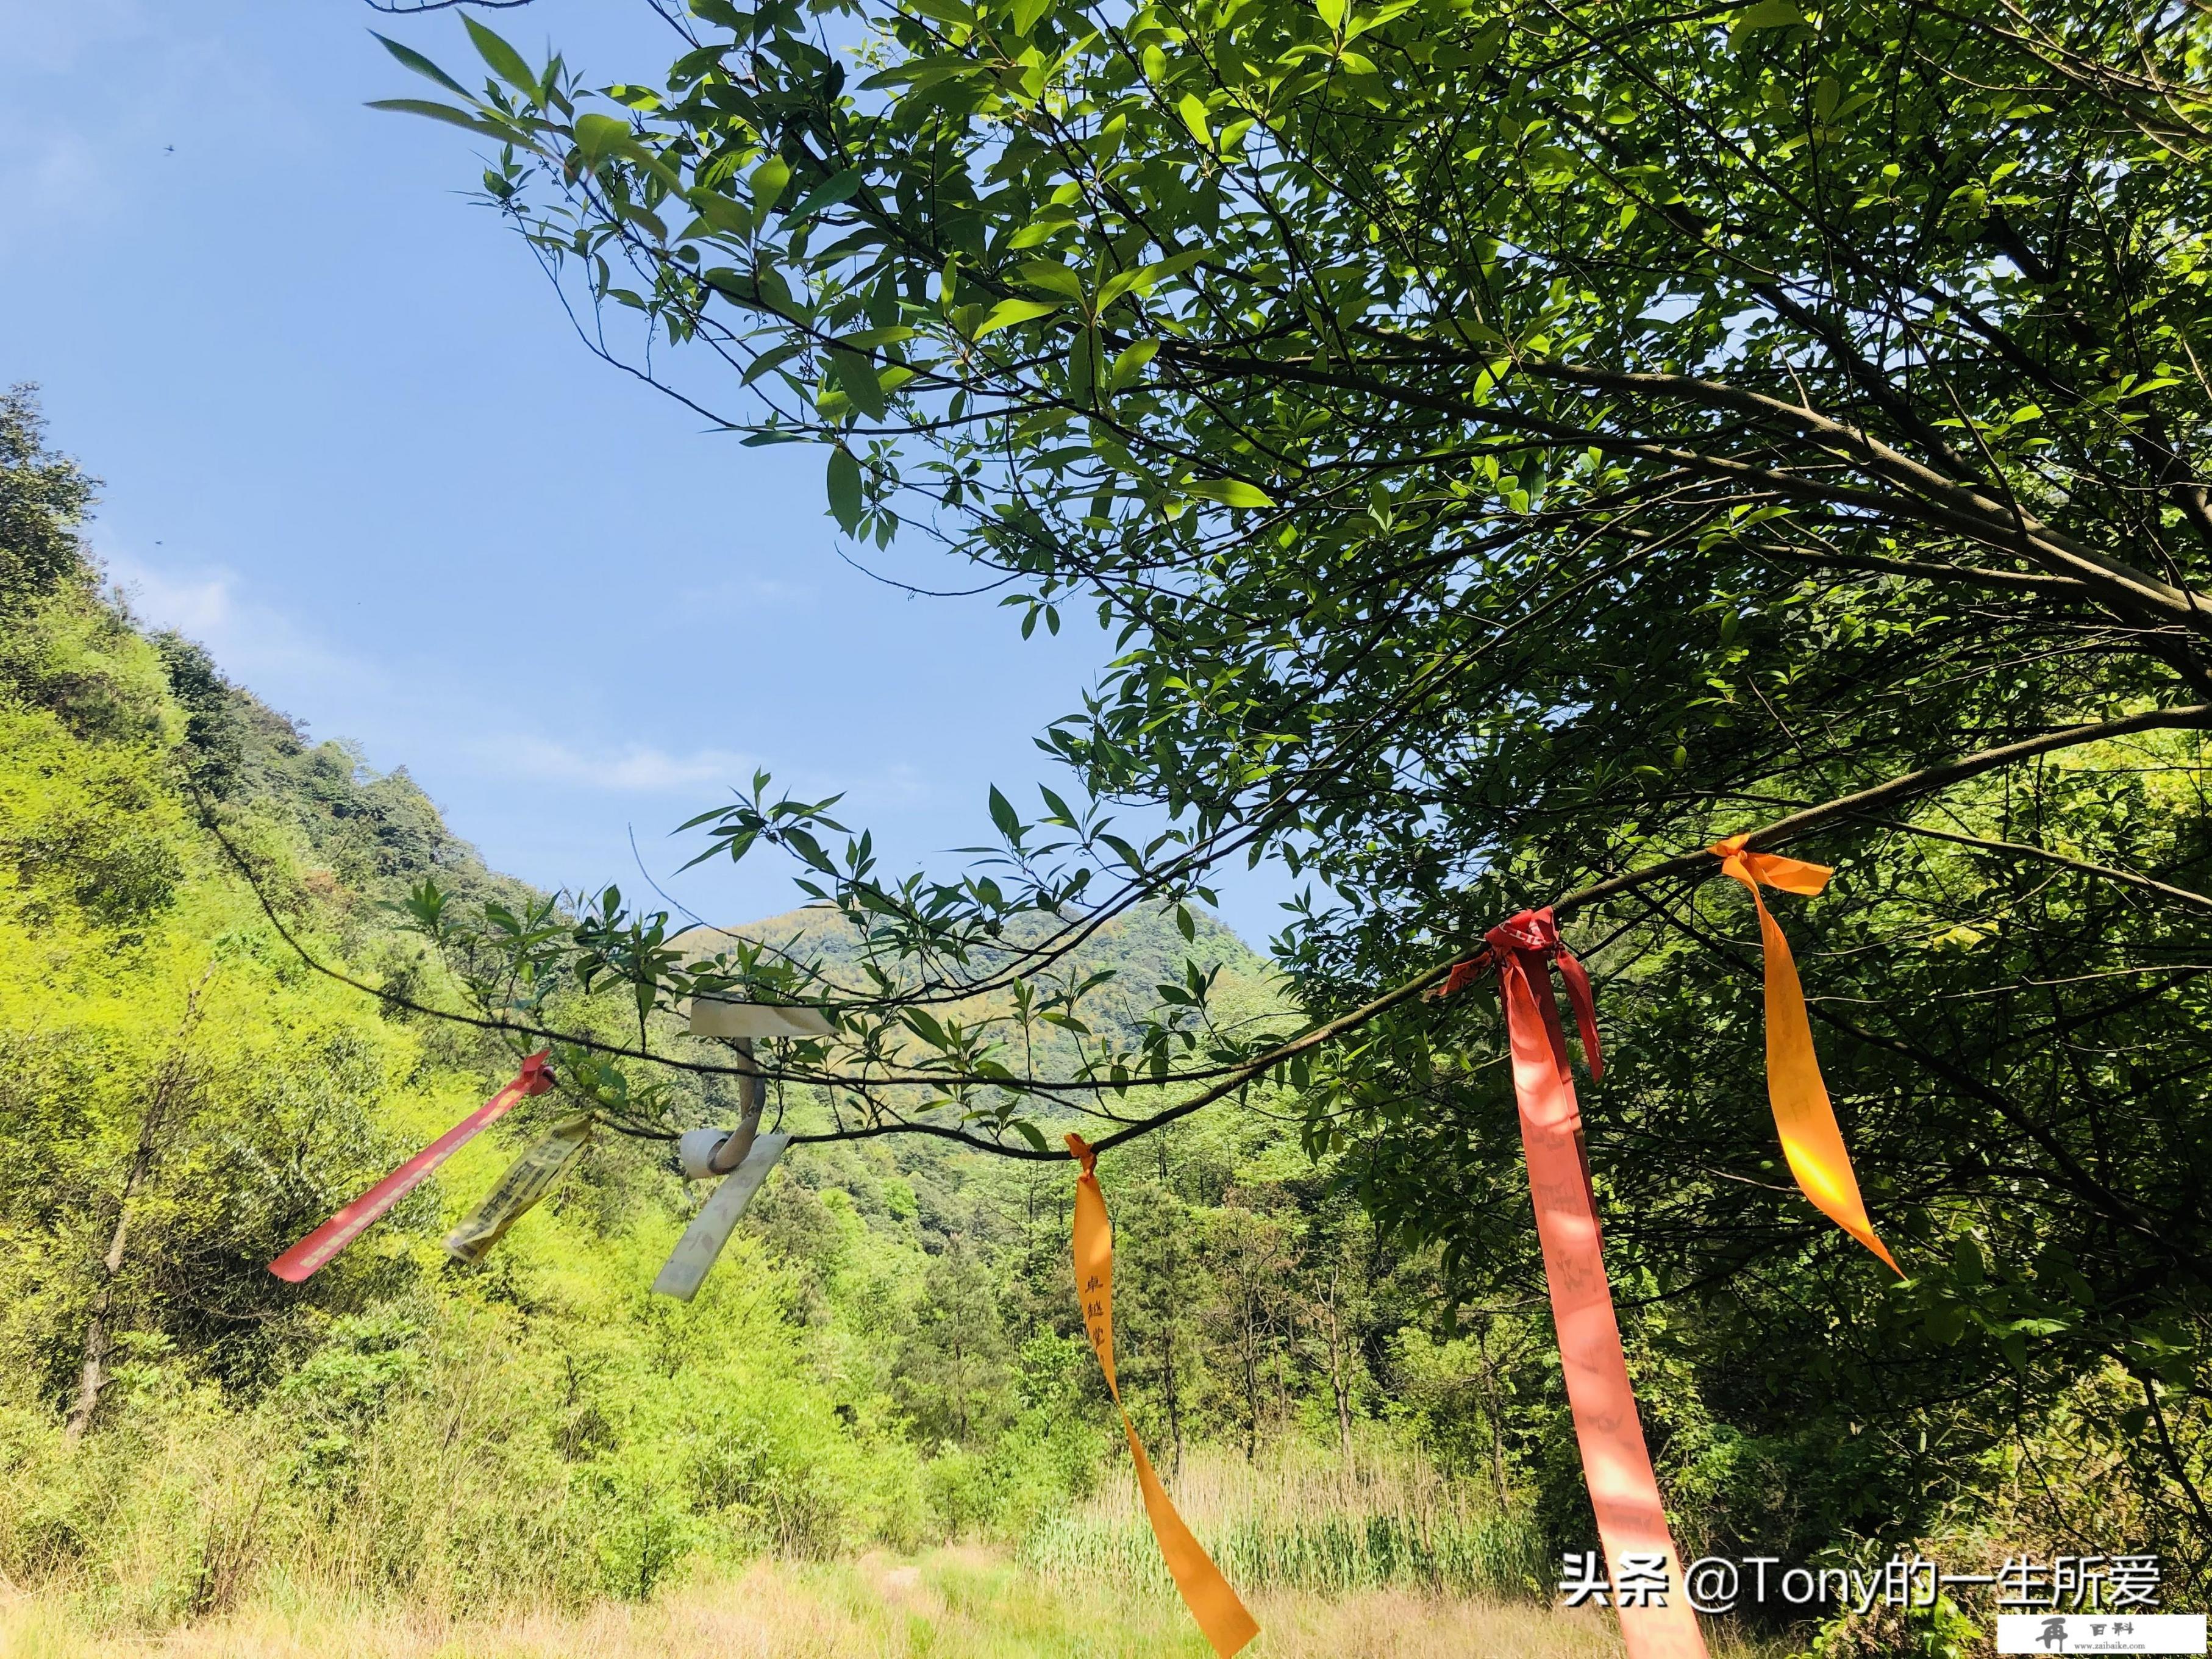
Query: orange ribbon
column 1810, row 1140
column 1221, row 1616
column 1632, row 1523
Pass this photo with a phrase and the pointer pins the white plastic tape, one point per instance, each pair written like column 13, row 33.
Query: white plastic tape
column 695, row 1253
column 716, row 1017
column 694, row 1147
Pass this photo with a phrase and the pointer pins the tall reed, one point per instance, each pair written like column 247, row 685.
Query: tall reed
column 1294, row 1520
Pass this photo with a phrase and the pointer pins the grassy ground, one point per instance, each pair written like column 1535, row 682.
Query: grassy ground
column 953, row 1604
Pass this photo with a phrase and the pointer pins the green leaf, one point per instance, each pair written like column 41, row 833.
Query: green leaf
column 868, row 339
column 1229, row 492
column 1144, row 278
column 1191, row 108
column 856, row 377
column 505, row 61
column 1083, row 366
column 718, row 212
column 1052, row 276
column 1029, row 1132
column 459, row 117
column 1129, row 364
column 1003, row 815
column 845, row 498
column 828, row 194
column 1765, row 15
column 422, row 65
column 769, row 360
column 769, row 181
column 1007, row 312
column 598, row 136
column 1379, row 16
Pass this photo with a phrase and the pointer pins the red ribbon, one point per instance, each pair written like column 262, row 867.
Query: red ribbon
column 1624, row 1493
column 311, row 1252
column 1530, row 942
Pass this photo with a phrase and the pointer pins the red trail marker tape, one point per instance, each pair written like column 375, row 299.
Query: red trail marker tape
column 311, row 1253
column 1616, row 1464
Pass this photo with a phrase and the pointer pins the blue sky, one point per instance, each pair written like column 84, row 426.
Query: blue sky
column 350, row 443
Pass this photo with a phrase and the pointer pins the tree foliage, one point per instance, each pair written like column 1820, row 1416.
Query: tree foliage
column 43, row 498
column 1511, row 447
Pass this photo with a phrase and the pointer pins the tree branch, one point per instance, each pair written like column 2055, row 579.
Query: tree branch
column 1230, row 1079
column 2199, row 901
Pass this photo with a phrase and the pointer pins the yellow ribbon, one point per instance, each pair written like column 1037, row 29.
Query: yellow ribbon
column 1220, row 1615
column 1810, row 1140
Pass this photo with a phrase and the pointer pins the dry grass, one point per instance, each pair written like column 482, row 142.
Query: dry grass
column 955, row 1604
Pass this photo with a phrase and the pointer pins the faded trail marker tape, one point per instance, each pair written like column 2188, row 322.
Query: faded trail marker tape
column 527, row 1179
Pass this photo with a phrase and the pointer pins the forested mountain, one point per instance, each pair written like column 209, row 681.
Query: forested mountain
column 889, row 1354
column 1125, row 962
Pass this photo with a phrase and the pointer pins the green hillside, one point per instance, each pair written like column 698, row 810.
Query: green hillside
column 1141, row 947
column 1129, row 957
column 888, row 1355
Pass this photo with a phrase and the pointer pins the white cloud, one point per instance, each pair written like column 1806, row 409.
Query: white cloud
column 52, row 39
column 636, row 768
column 200, row 607
column 741, row 594
column 254, row 644
column 420, row 715
column 443, row 727
column 900, row 784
